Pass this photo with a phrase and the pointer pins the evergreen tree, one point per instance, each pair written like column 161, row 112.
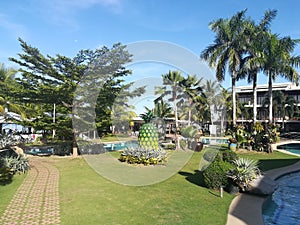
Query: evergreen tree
column 47, row 82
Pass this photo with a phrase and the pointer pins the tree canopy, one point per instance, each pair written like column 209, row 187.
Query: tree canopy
column 46, row 82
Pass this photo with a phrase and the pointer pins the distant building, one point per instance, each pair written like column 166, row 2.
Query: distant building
column 245, row 96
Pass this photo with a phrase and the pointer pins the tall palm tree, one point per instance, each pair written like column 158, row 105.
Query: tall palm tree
column 8, row 85
column 192, row 88
column 283, row 104
column 276, row 59
column 2, row 109
column 255, row 36
column 213, row 96
column 227, row 50
column 172, row 79
column 226, row 107
column 6, row 78
column 162, row 109
column 226, row 100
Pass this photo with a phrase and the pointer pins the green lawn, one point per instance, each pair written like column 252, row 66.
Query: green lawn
column 7, row 191
column 88, row 198
column 121, row 137
column 271, row 161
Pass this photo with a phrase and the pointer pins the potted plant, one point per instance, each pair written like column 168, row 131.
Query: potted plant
column 232, row 144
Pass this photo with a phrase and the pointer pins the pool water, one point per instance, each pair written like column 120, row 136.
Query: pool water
column 214, row 141
column 291, row 147
column 120, row 145
column 283, row 206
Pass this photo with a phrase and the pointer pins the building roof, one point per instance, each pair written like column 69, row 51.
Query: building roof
column 10, row 117
column 264, row 87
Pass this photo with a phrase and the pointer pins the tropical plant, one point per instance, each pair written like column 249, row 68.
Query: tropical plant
column 256, row 34
column 244, row 171
column 144, row 156
column 283, row 105
column 228, row 49
column 9, row 86
column 276, row 59
column 193, row 89
column 225, row 106
column 239, row 134
column 11, row 162
column 173, row 81
column 11, row 139
column 148, row 133
column 162, row 109
column 188, row 132
column 212, row 91
column 263, row 136
column 243, row 111
column 227, row 155
column 16, row 164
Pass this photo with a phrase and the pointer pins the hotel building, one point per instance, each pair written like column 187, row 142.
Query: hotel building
column 245, row 96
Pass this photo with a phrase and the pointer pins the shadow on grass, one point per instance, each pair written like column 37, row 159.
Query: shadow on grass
column 264, row 165
column 195, row 178
column 269, row 164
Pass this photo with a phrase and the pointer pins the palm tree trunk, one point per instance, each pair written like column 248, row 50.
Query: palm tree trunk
column 270, row 99
column 254, row 98
column 283, row 116
column 176, row 118
column 190, row 112
column 233, row 100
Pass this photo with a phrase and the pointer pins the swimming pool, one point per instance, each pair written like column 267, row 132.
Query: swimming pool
column 119, row 145
column 283, row 206
column 214, row 141
column 291, row 147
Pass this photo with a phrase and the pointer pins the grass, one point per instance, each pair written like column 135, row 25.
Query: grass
column 178, row 200
column 88, row 198
column 270, row 161
column 7, row 191
column 121, row 137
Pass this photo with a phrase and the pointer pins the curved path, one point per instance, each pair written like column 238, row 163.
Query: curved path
column 37, row 199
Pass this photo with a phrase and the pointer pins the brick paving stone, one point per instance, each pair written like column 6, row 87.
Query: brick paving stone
column 37, row 199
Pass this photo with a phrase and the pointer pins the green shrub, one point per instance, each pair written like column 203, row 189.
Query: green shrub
column 170, row 146
column 6, row 175
column 228, row 155
column 10, row 165
column 144, row 156
column 17, row 164
column 215, row 174
column 243, row 172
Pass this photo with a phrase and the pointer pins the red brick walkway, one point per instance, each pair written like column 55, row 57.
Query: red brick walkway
column 37, row 199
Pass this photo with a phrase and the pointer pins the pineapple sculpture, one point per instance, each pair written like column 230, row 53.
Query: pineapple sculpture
column 148, row 133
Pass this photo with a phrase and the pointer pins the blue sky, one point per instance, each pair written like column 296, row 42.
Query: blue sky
column 67, row 26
